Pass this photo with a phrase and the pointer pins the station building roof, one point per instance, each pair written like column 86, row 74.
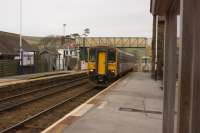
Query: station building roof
column 9, row 44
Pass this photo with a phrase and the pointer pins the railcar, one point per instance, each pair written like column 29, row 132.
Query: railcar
column 107, row 63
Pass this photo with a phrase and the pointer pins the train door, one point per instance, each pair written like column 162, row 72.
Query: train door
column 102, row 63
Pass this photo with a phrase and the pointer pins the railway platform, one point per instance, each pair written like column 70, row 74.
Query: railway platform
column 4, row 81
column 132, row 104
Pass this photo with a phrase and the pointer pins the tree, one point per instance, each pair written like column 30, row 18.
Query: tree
column 86, row 32
column 75, row 35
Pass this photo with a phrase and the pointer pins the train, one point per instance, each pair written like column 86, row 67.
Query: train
column 108, row 63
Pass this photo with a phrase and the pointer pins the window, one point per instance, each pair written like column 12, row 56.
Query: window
column 111, row 56
column 92, row 55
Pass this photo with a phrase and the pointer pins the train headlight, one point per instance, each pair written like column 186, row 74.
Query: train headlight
column 91, row 70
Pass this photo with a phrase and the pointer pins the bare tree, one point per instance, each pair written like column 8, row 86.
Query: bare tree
column 86, row 32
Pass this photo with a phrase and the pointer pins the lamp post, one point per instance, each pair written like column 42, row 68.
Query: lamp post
column 20, row 44
column 64, row 29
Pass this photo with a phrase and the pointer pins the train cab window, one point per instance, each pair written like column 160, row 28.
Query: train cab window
column 111, row 56
column 92, row 55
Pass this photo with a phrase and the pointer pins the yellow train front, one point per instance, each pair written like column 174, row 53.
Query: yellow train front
column 107, row 63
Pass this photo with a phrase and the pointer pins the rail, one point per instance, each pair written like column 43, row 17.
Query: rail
column 41, row 113
column 12, row 102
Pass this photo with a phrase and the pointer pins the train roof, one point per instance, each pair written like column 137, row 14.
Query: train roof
column 124, row 52
column 102, row 46
column 111, row 47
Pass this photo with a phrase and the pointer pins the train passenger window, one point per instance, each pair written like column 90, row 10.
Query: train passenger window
column 111, row 56
column 92, row 55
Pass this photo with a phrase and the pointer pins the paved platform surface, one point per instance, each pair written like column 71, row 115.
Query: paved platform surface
column 27, row 77
column 133, row 105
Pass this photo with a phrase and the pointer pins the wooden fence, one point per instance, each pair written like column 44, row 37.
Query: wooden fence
column 9, row 67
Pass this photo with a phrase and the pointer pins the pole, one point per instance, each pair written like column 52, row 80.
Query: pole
column 63, row 60
column 69, row 54
column 77, row 53
column 156, row 51
column 146, row 59
column 64, row 29
column 21, row 47
column 84, row 39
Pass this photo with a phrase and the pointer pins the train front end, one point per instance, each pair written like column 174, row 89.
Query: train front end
column 102, row 64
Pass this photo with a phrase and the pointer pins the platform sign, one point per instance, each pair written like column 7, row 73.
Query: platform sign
column 84, row 65
column 28, row 58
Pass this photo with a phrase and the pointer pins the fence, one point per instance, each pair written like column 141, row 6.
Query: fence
column 41, row 64
column 9, row 67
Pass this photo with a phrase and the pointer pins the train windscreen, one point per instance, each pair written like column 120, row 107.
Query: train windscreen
column 92, row 54
column 112, row 56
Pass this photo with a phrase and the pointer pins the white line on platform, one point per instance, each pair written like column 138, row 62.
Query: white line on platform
column 83, row 110
column 102, row 105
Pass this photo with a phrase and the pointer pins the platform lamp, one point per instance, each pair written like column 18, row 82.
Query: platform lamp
column 64, row 30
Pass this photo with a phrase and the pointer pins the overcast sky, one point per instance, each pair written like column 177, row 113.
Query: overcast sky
column 103, row 17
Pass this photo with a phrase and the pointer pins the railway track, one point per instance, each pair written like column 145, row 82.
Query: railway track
column 33, row 110
column 27, row 125
column 11, row 102
column 20, row 105
column 34, row 85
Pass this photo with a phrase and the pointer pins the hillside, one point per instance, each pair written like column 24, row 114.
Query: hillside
column 34, row 41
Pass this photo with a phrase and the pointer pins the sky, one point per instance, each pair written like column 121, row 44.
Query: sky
column 112, row 18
